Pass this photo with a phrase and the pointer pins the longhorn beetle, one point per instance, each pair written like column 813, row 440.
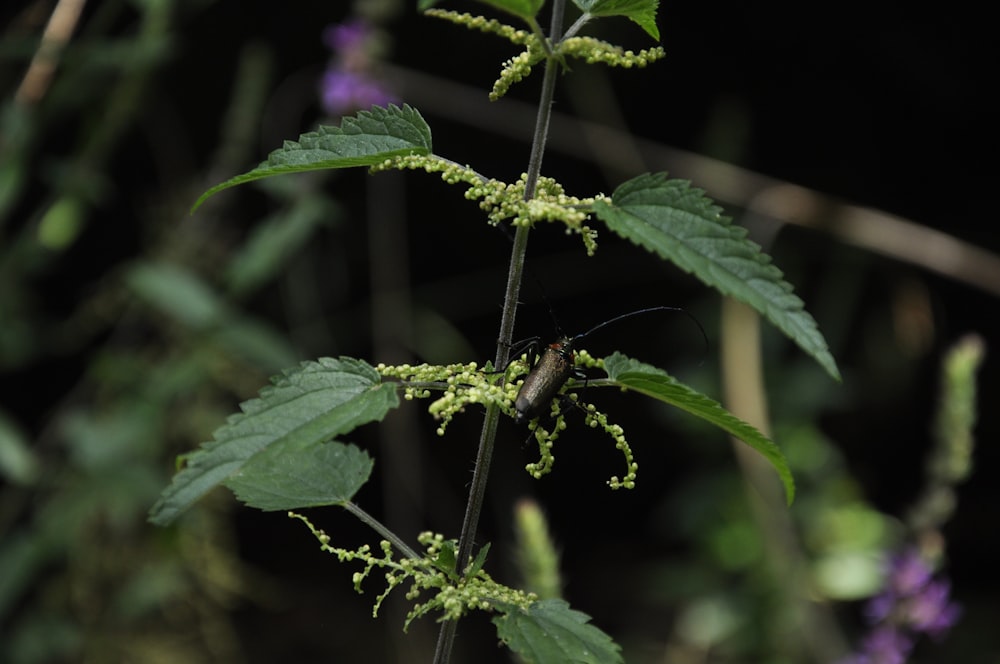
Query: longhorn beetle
column 556, row 364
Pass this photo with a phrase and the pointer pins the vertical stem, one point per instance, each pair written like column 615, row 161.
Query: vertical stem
column 745, row 397
column 477, row 491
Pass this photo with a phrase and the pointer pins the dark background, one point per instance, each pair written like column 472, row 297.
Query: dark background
column 884, row 105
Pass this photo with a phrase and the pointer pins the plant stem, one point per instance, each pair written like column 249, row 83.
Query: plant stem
column 477, row 491
column 382, row 530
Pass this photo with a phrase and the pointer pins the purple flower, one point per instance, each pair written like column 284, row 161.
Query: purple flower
column 349, row 83
column 887, row 645
column 930, row 612
column 911, row 604
column 908, row 573
column 350, row 36
column 342, row 92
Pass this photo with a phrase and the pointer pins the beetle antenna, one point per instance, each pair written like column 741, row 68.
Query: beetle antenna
column 597, row 327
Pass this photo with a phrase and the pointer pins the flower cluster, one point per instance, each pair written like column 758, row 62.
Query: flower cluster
column 350, row 83
column 912, row 603
column 593, row 51
column 465, row 384
column 452, row 594
column 501, row 200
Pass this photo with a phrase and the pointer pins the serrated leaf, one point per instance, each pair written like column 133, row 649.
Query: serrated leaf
column 642, row 12
column 658, row 384
column 550, row 632
column 291, row 475
column 525, row 9
column 310, row 404
column 367, row 138
column 677, row 221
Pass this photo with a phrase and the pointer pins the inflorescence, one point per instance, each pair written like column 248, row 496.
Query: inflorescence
column 537, row 48
column 502, row 201
column 463, row 384
column 453, row 594
column 911, row 603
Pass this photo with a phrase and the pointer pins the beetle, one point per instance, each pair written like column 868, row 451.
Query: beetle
column 555, row 365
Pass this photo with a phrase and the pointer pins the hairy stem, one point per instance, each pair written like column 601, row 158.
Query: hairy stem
column 477, row 491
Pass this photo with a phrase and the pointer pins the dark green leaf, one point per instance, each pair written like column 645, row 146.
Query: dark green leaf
column 445, row 560
column 292, row 474
column 368, row 138
column 313, row 403
column 679, row 223
column 479, row 561
column 525, row 9
column 550, row 632
column 642, row 12
column 658, row 384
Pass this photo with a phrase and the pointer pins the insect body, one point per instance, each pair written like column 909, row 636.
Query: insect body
column 554, row 367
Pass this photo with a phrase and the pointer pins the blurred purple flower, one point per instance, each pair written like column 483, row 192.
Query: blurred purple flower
column 908, row 573
column 349, row 83
column 912, row 603
column 887, row 645
column 342, row 92
column 350, row 36
column 931, row 612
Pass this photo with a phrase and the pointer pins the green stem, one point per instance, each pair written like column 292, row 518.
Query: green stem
column 577, row 25
column 477, row 491
column 382, row 530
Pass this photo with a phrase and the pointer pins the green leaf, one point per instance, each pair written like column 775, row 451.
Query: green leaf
column 446, row 557
column 642, row 12
column 18, row 461
column 274, row 241
column 658, row 384
column 311, row 404
column 550, row 632
column 368, row 138
column 526, row 9
column 479, row 561
column 292, row 474
column 678, row 222
column 178, row 293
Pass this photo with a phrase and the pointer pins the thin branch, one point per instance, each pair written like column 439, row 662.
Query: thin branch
column 382, row 530
column 58, row 32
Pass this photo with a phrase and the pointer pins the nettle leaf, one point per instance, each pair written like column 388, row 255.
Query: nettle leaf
column 292, row 474
column 367, row 138
column 303, row 407
column 550, row 632
column 642, row 12
column 446, row 558
column 677, row 221
column 658, row 384
column 526, row 9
